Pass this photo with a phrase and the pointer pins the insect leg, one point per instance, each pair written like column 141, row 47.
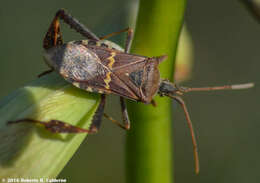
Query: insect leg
column 97, row 118
column 128, row 39
column 53, row 36
column 195, row 147
column 57, row 126
column 96, row 121
column 113, row 34
column 122, row 100
column 54, row 126
column 45, row 72
column 124, row 114
column 116, row 122
column 154, row 104
column 100, row 111
column 126, row 121
column 76, row 25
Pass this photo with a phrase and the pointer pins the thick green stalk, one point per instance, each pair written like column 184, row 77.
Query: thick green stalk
column 148, row 149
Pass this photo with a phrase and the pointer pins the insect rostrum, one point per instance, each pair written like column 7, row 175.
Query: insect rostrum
column 96, row 66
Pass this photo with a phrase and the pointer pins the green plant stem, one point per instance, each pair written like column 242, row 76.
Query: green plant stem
column 148, row 149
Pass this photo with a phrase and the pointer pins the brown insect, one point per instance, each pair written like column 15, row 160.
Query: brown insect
column 95, row 65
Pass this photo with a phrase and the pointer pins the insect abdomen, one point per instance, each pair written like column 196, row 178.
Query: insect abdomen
column 74, row 61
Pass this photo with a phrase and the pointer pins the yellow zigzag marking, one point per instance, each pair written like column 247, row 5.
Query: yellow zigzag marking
column 111, row 59
column 107, row 80
column 110, row 65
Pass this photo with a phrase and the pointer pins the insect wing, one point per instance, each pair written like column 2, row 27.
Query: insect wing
column 82, row 67
column 136, row 72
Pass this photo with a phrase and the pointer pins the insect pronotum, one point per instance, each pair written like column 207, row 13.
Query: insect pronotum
column 97, row 66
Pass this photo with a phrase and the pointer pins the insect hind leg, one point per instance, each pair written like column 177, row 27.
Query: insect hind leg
column 57, row 126
column 76, row 25
column 53, row 36
column 54, row 126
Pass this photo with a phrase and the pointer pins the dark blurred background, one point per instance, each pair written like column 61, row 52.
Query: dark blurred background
column 226, row 50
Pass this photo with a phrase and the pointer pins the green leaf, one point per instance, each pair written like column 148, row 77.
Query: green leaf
column 29, row 151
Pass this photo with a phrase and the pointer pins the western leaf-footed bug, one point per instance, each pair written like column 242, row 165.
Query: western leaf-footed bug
column 96, row 66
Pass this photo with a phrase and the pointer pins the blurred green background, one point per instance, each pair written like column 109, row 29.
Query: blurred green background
column 226, row 50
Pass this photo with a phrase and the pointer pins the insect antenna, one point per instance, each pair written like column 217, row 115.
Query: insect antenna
column 225, row 87
column 173, row 91
column 193, row 136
